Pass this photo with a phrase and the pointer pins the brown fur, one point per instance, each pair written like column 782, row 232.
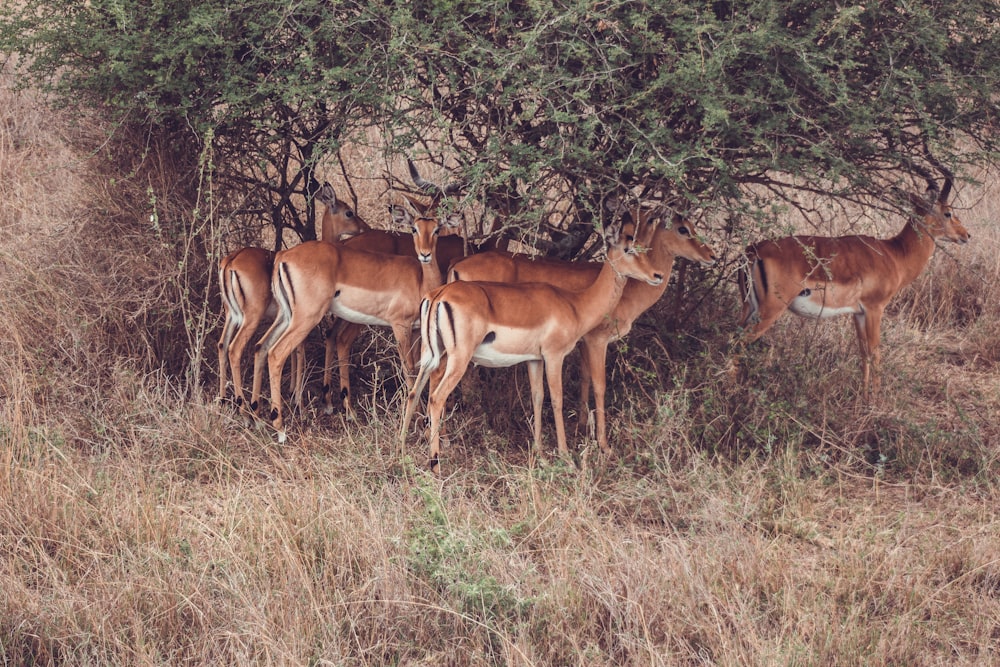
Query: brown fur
column 312, row 277
column 821, row 276
column 532, row 322
column 665, row 244
column 245, row 283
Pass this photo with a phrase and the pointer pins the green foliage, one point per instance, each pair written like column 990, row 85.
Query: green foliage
column 693, row 98
column 451, row 560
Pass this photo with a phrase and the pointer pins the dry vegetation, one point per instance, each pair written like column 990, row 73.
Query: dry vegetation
column 775, row 522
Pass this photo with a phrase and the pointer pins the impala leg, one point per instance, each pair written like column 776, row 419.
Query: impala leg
column 328, row 353
column 260, row 360
column 586, row 377
column 595, row 354
column 868, row 324
column 345, row 334
column 535, row 369
column 874, row 331
column 455, row 368
column 225, row 340
column 411, row 403
column 285, row 344
column 244, row 331
column 297, row 381
column 553, row 374
column 403, row 334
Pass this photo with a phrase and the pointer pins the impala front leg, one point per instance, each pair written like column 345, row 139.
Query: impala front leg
column 535, row 369
column 594, row 359
column 553, row 373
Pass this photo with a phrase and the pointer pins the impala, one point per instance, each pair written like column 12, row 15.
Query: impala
column 499, row 324
column 820, row 277
column 340, row 338
column 666, row 243
column 245, row 283
column 314, row 278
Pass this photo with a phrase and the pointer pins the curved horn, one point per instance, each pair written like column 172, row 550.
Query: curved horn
column 949, row 177
column 427, row 186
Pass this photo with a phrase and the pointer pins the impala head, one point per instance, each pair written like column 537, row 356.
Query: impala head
column 937, row 216
column 339, row 220
column 682, row 239
column 628, row 256
column 425, row 229
column 678, row 239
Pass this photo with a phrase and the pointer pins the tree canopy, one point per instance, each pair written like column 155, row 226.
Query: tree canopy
column 538, row 106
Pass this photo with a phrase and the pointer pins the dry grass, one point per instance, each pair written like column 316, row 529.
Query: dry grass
column 775, row 522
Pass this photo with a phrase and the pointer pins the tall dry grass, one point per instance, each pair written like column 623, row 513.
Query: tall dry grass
column 775, row 522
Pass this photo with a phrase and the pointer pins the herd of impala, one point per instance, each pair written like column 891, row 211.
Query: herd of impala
column 498, row 309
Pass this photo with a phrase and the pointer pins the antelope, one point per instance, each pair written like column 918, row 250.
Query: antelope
column 340, row 338
column 500, row 324
column 821, row 277
column 314, row 278
column 665, row 243
column 245, row 283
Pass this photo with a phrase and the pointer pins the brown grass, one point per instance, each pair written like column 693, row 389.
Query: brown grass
column 775, row 522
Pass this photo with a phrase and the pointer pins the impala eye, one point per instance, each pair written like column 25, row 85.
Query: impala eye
column 683, row 231
column 348, row 213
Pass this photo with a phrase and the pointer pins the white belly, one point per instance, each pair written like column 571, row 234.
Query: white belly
column 813, row 307
column 355, row 316
column 487, row 355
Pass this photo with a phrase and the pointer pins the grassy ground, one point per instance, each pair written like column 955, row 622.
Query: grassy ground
column 774, row 521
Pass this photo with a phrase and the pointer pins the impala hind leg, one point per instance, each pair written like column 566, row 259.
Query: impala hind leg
column 225, row 340
column 244, row 331
column 286, row 344
column 340, row 340
column 455, row 369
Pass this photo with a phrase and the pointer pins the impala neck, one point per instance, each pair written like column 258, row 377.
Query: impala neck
column 431, row 277
column 595, row 302
column 914, row 245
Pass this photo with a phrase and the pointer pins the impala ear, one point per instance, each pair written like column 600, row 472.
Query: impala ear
column 400, row 215
column 453, row 220
column 923, row 204
column 422, row 207
column 612, row 235
column 326, row 195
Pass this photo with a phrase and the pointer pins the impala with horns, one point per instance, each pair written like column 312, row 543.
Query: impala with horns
column 820, row 277
column 450, row 247
column 245, row 283
column 665, row 242
column 500, row 324
column 314, row 278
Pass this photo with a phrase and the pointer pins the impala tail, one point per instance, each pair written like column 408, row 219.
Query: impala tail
column 430, row 359
column 229, row 289
column 280, row 288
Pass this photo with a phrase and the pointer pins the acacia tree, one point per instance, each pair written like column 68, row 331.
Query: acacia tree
column 544, row 108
